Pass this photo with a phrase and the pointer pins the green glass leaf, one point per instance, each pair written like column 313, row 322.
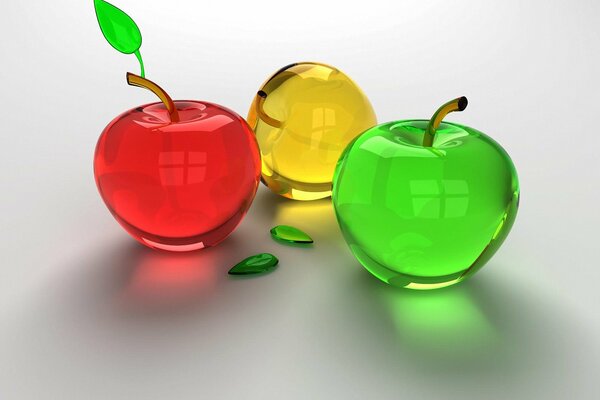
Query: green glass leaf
column 289, row 234
column 118, row 28
column 257, row 264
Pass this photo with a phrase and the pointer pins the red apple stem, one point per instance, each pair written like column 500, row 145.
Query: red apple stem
column 136, row 80
column 453, row 105
column 261, row 96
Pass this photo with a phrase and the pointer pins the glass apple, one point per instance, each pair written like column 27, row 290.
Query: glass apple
column 424, row 204
column 177, row 175
column 304, row 116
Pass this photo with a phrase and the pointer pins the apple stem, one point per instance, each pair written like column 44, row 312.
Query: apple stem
column 136, row 80
column 453, row 105
column 261, row 96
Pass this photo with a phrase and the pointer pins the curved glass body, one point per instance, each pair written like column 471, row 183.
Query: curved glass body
column 178, row 186
column 319, row 111
column 424, row 217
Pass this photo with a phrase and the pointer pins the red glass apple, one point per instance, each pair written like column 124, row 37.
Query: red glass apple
column 178, row 176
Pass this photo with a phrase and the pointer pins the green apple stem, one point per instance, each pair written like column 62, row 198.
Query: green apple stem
column 136, row 80
column 454, row 105
column 141, row 61
column 261, row 96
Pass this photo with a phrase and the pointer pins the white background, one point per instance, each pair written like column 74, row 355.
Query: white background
column 87, row 313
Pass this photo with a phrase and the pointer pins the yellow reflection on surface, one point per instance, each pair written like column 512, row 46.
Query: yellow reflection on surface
column 316, row 218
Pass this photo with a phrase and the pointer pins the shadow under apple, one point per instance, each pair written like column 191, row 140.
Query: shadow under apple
column 473, row 333
column 135, row 280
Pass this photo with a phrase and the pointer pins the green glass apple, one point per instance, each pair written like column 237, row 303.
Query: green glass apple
column 425, row 204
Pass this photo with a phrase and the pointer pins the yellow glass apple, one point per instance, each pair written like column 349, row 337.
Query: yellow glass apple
column 304, row 116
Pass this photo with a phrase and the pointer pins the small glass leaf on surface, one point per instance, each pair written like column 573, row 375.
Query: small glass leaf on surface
column 289, row 234
column 118, row 28
column 257, row 264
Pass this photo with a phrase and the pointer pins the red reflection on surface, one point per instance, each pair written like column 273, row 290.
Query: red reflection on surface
column 176, row 275
column 165, row 280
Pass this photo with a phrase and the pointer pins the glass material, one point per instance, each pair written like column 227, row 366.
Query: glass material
column 424, row 217
column 257, row 264
column 289, row 234
column 309, row 114
column 120, row 30
column 178, row 185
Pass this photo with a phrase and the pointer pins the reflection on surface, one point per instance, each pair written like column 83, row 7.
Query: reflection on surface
column 316, row 218
column 480, row 327
column 323, row 138
column 443, row 198
column 179, row 168
column 140, row 280
column 133, row 309
column 165, row 279
column 446, row 324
